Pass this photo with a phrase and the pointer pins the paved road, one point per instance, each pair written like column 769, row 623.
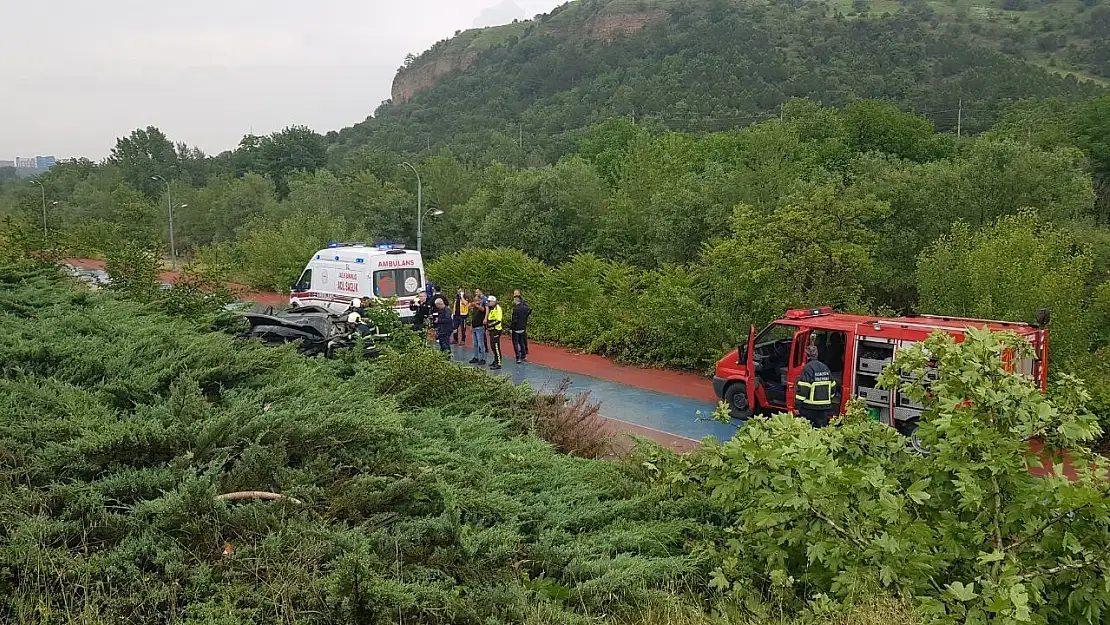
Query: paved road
column 650, row 409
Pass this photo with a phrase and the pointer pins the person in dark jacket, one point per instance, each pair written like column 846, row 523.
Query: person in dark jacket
column 814, row 397
column 445, row 325
column 519, row 327
column 421, row 309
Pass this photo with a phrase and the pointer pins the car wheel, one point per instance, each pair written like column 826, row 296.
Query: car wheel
column 736, row 396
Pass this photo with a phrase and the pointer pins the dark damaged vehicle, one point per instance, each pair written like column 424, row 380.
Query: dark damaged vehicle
column 316, row 330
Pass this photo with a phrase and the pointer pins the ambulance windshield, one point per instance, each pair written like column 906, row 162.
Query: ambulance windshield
column 397, row 282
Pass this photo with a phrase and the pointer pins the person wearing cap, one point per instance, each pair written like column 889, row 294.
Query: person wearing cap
column 494, row 319
column 813, row 398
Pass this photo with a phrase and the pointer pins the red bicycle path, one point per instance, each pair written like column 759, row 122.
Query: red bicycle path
column 677, row 383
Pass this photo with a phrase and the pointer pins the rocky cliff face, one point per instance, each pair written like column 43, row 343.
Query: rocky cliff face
column 609, row 26
column 410, row 80
column 605, row 26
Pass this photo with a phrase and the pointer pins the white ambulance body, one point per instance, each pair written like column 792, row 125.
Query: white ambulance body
column 345, row 271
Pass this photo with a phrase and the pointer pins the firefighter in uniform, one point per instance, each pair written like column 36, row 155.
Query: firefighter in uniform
column 493, row 324
column 814, row 398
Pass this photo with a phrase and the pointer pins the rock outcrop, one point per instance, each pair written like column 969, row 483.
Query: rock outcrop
column 604, row 26
column 609, row 26
column 410, row 80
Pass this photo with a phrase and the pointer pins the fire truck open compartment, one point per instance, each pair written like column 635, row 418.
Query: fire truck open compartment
column 857, row 349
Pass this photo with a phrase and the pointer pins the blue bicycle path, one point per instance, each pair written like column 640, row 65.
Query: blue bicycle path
column 660, row 411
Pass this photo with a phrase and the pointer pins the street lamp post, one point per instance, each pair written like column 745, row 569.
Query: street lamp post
column 43, row 189
column 169, row 203
column 419, row 206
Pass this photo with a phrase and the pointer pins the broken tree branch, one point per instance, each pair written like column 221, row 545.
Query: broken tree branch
column 255, row 494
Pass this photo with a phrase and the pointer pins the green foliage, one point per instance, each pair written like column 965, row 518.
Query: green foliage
column 120, row 426
column 709, row 66
column 818, row 251
column 296, row 148
column 548, row 211
column 143, row 155
column 793, row 513
column 135, row 272
column 272, row 255
column 647, row 317
column 1007, row 271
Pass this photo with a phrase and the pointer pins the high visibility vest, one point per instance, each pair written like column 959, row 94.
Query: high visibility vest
column 814, row 389
column 493, row 321
column 815, row 394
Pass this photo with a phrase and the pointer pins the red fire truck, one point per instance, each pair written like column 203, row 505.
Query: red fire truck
column 761, row 375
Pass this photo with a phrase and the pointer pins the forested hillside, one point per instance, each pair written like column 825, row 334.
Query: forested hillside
column 512, row 93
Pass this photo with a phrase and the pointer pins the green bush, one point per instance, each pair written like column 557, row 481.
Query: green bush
column 656, row 318
column 119, row 425
column 496, row 272
column 796, row 514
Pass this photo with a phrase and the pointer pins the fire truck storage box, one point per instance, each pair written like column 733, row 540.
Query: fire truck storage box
column 907, row 414
column 877, row 395
column 873, row 365
column 905, row 401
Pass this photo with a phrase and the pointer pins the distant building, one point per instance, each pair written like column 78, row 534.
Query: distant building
column 25, row 163
column 4, row 164
column 42, row 163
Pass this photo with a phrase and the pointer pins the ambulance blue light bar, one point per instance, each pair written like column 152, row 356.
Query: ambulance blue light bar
column 803, row 313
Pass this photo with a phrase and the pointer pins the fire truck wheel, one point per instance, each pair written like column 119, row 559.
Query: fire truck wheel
column 736, row 396
column 909, row 430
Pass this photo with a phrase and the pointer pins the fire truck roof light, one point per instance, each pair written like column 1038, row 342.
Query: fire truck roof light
column 802, row 313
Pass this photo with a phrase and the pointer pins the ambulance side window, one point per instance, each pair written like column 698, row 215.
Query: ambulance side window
column 397, row 282
column 304, row 283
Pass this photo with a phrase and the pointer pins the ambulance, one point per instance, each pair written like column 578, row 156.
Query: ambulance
column 345, row 271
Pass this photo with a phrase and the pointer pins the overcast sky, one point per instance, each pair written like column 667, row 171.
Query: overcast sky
column 76, row 74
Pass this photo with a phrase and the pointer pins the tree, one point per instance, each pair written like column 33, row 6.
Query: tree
column 551, row 212
column 144, row 154
column 814, row 251
column 272, row 254
column 296, row 148
column 794, row 512
column 875, row 126
column 1007, row 271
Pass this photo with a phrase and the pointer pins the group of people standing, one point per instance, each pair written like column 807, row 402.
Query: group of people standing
column 482, row 314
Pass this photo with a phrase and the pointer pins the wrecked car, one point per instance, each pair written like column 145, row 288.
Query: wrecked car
column 316, row 331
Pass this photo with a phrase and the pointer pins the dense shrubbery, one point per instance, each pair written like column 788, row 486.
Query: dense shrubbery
column 120, row 425
column 814, row 514
column 416, row 492
column 655, row 317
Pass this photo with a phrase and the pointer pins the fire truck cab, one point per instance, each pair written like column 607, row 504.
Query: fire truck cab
column 760, row 376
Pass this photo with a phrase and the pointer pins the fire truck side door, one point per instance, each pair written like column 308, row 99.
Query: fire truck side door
column 797, row 363
column 749, row 366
